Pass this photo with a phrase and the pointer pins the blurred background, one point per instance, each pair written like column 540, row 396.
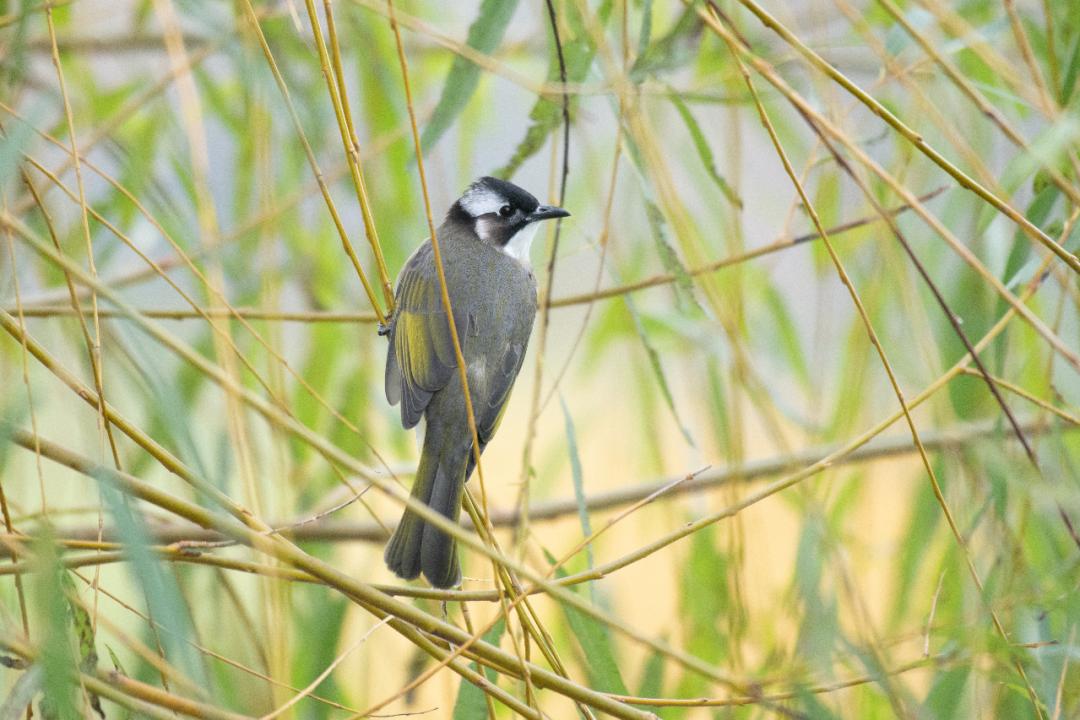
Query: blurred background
column 696, row 348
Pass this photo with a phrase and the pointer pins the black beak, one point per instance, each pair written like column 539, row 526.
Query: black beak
column 547, row 212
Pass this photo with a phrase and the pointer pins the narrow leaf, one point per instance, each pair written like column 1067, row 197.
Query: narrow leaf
column 57, row 661
column 470, row 703
column 162, row 594
column 646, row 28
column 684, row 284
column 578, row 53
column 1072, row 70
column 13, row 142
column 787, row 335
column 579, row 485
column 484, row 35
column 704, row 151
column 84, row 633
column 658, row 368
column 652, row 676
column 594, row 638
column 672, row 51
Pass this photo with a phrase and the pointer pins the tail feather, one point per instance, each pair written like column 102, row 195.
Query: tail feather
column 402, row 554
column 438, row 551
column 417, row 546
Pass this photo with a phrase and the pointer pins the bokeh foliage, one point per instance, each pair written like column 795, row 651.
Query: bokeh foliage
column 701, row 398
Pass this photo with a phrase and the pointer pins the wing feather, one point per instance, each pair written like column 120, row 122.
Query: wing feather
column 421, row 358
column 499, row 392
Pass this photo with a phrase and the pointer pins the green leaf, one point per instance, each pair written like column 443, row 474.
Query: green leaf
column 163, row 598
column 652, row 676
column 704, row 151
column 84, row 634
column 684, row 284
column 320, row 624
column 57, row 660
column 1072, row 70
column 1017, row 271
column 484, row 35
column 812, row 707
column 820, row 622
column 117, row 665
column 674, row 50
column 471, row 704
column 579, row 485
column 578, row 54
column 787, row 335
column 719, row 409
column 84, row 627
column 594, row 639
column 13, row 142
column 13, row 69
column 658, row 368
column 943, row 700
column 704, row 602
column 646, row 28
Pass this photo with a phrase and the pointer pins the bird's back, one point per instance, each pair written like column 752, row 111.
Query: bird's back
column 494, row 302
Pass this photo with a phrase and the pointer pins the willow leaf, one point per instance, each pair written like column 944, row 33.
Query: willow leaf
column 470, row 700
column 579, row 484
column 704, row 151
column 484, row 36
column 596, row 644
column 658, row 368
column 578, row 53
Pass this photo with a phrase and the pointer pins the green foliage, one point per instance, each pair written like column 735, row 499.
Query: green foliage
column 319, row 621
column 162, row 595
column 58, row 659
column 484, row 35
column 704, row 151
column 546, row 114
column 596, row 645
column 657, row 368
column 579, row 480
column 470, row 704
column 837, row 586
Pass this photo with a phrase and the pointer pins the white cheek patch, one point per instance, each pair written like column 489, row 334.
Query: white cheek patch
column 480, row 200
column 519, row 245
column 485, row 229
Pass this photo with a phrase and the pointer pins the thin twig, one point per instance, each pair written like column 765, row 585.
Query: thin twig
column 50, row 309
column 725, row 476
column 342, row 234
column 1029, row 228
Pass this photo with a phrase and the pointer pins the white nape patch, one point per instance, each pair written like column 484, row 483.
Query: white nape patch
column 480, row 200
column 519, row 245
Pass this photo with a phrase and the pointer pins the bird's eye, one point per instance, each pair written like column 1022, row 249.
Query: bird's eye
column 506, row 211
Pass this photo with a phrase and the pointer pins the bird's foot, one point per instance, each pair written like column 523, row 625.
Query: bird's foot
column 384, row 327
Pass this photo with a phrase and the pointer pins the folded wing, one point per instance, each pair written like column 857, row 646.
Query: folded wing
column 421, row 358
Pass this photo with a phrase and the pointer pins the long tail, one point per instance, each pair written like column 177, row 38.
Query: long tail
column 416, row 545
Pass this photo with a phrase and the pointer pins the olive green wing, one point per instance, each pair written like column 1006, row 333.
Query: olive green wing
column 420, row 360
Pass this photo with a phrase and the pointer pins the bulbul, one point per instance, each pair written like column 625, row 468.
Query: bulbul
column 484, row 243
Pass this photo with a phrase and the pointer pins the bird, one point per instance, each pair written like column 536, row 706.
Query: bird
column 484, row 246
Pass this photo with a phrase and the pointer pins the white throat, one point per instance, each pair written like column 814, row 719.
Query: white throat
column 519, row 245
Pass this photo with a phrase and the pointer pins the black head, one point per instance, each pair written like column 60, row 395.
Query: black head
column 498, row 211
